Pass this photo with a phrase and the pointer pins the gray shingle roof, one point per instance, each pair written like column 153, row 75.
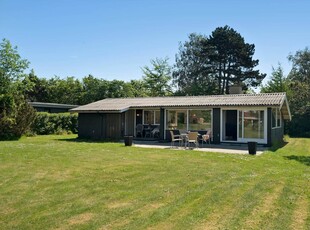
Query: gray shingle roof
column 123, row 104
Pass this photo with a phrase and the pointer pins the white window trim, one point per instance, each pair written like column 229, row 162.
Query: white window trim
column 154, row 116
column 278, row 113
column 187, row 117
column 244, row 140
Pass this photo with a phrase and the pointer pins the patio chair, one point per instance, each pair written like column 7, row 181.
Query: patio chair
column 175, row 138
column 206, row 138
column 147, row 131
column 192, row 137
column 139, row 130
column 155, row 132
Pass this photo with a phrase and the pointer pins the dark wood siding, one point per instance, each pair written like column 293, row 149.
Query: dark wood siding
column 216, row 115
column 162, row 124
column 113, row 125
column 51, row 110
column 130, row 122
column 269, row 120
column 100, row 126
column 277, row 133
column 90, row 125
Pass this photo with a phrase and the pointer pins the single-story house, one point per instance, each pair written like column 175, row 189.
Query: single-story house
column 51, row 107
column 232, row 118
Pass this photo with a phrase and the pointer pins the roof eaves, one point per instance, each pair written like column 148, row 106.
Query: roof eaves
column 52, row 105
column 77, row 110
column 285, row 101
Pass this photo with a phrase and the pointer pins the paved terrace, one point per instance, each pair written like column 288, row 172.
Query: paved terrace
column 222, row 148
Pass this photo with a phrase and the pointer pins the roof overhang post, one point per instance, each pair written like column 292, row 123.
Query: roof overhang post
column 269, row 127
column 162, row 124
column 216, row 126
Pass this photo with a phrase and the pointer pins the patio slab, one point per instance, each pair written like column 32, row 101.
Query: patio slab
column 223, row 148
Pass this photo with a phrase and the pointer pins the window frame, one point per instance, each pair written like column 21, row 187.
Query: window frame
column 277, row 118
column 242, row 139
column 186, row 112
column 154, row 116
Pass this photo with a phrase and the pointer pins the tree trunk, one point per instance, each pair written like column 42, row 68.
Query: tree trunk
column 224, row 79
column 220, row 79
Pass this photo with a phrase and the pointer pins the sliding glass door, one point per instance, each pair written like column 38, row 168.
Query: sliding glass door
column 244, row 125
column 251, row 123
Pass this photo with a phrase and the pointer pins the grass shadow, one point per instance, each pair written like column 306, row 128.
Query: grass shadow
column 277, row 146
column 85, row 140
column 302, row 159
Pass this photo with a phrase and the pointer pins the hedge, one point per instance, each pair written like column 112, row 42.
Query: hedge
column 54, row 123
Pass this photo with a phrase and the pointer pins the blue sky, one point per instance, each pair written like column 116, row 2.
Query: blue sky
column 113, row 39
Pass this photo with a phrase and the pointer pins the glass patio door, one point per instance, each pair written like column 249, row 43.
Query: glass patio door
column 251, row 124
column 244, row 125
column 229, row 125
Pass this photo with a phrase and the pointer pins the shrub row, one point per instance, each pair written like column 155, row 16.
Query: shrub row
column 54, row 123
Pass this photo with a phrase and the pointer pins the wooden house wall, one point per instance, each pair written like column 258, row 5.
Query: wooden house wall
column 130, row 122
column 100, row 125
column 50, row 110
column 113, row 125
column 90, row 125
column 277, row 133
column 216, row 113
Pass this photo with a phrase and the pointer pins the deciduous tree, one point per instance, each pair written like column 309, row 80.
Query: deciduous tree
column 157, row 78
column 16, row 114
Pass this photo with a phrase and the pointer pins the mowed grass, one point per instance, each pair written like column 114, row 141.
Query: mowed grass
column 56, row 182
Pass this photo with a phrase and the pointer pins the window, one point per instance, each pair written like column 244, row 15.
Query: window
column 199, row 119
column 188, row 119
column 177, row 119
column 151, row 117
column 276, row 118
column 251, row 124
column 148, row 117
column 157, row 117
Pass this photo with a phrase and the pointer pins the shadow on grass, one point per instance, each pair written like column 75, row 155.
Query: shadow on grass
column 80, row 140
column 277, row 146
column 302, row 159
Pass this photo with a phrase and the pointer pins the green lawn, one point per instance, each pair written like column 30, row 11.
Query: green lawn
column 55, row 182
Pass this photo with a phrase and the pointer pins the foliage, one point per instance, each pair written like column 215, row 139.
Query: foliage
column 157, row 78
column 11, row 67
column 54, row 123
column 138, row 88
column 58, row 182
column 231, row 60
column 277, row 83
column 16, row 115
column 117, row 89
column 191, row 73
column 215, row 63
column 94, row 89
column 37, row 88
column 299, row 98
column 301, row 66
column 73, row 91
column 64, row 91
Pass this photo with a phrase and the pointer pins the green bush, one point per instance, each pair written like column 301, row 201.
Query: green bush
column 54, row 123
column 16, row 116
column 299, row 126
